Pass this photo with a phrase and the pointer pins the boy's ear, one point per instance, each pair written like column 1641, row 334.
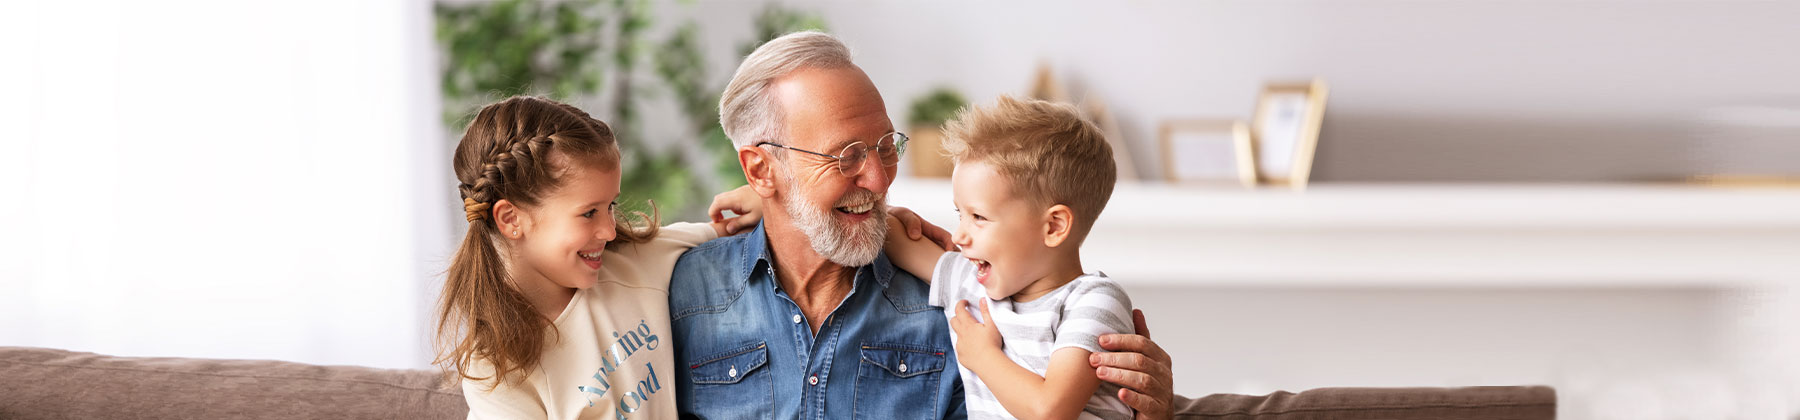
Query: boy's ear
column 509, row 218
column 1059, row 223
column 759, row 169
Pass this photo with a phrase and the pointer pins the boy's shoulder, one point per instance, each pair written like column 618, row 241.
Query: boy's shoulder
column 1094, row 306
column 1098, row 287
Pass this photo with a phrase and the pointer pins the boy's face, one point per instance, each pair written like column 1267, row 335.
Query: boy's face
column 998, row 231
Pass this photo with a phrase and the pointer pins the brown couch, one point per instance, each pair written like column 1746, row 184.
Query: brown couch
column 55, row 384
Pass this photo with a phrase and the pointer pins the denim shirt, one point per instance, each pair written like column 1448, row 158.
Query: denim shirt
column 744, row 350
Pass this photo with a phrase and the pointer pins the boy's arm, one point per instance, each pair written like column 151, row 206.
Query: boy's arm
column 916, row 256
column 1061, row 393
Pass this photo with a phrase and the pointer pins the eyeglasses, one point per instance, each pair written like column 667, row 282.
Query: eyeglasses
column 850, row 161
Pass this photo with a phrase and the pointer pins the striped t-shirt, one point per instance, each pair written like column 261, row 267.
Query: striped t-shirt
column 1074, row 315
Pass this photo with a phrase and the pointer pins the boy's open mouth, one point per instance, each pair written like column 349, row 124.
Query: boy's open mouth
column 982, row 268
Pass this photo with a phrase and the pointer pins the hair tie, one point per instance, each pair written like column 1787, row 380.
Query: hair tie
column 476, row 210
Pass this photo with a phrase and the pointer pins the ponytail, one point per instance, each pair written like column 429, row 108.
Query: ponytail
column 482, row 316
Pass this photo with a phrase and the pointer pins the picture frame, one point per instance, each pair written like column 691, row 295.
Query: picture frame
column 1208, row 151
column 1285, row 131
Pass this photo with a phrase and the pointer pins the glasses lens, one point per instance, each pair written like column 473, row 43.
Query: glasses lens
column 890, row 147
column 851, row 160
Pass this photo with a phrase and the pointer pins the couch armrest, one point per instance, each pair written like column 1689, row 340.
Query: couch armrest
column 1472, row 403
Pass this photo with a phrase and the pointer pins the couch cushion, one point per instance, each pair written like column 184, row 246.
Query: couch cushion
column 55, row 384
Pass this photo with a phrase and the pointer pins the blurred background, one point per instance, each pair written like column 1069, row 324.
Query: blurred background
column 1600, row 196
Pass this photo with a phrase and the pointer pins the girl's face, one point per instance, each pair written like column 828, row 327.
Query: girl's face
column 999, row 232
column 566, row 232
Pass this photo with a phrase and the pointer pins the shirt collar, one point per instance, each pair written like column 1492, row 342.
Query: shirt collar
column 755, row 251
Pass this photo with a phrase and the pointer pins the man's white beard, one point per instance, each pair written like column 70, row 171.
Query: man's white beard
column 849, row 245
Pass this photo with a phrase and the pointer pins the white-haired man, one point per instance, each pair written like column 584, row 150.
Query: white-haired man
column 804, row 317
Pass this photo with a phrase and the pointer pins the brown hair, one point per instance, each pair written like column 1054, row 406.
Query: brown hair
column 1047, row 152
column 516, row 150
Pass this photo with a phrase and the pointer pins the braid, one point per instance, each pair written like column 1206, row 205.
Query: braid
column 514, row 160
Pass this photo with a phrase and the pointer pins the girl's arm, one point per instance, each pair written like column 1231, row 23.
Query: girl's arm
column 1061, row 393
column 910, row 243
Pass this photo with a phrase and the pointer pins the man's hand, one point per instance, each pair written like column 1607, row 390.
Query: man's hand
column 916, row 226
column 1139, row 365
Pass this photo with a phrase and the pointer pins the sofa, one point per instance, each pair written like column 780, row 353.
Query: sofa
column 44, row 383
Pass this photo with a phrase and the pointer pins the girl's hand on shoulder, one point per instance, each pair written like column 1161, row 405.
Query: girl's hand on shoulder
column 743, row 202
column 916, row 227
column 907, row 246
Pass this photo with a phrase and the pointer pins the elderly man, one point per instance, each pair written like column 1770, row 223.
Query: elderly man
column 804, row 317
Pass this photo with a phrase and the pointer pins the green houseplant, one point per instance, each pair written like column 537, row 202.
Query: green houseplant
column 588, row 53
column 925, row 125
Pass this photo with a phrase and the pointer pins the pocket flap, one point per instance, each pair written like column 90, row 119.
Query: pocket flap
column 902, row 360
column 731, row 366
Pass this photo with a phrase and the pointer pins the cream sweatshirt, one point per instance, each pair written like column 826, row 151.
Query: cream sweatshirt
column 614, row 359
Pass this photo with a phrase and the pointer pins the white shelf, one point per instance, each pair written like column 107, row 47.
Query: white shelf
column 1433, row 235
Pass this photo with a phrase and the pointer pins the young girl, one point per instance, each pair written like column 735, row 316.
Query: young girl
column 556, row 305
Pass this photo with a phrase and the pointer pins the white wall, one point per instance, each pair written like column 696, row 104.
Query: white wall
column 221, row 179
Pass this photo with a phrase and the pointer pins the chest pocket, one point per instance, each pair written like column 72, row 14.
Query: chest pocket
column 899, row 382
column 735, row 384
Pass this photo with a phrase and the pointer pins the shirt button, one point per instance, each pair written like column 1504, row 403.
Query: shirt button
column 814, row 380
column 733, row 372
column 797, row 318
column 902, row 367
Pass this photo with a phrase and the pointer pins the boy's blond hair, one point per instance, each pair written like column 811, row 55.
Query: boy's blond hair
column 1047, row 152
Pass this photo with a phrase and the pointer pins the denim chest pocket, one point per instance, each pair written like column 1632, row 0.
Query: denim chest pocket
column 896, row 381
column 735, row 384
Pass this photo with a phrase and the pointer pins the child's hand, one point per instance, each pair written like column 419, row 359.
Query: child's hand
column 975, row 340
column 742, row 201
column 916, row 227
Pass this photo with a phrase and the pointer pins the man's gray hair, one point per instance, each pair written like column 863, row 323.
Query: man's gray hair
column 748, row 110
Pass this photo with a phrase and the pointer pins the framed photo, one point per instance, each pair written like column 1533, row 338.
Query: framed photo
column 1285, row 131
column 1208, row 152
